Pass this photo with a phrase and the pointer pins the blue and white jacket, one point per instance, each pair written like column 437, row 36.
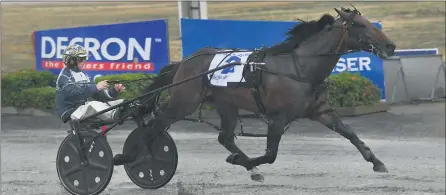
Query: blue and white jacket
column 73, row 89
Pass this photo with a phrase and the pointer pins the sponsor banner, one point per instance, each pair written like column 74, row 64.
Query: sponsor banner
column 367, row 64
column 198, row 33
column 113, row 48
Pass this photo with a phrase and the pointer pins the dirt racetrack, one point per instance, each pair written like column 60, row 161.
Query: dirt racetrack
column 312, row 160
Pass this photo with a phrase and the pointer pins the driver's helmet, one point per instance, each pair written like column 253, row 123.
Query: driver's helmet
column 73, row 55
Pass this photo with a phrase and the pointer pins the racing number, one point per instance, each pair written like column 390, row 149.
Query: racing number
column 230, row 69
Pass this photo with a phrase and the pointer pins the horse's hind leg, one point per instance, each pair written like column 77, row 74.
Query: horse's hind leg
column 228, row 116
column 333, row 122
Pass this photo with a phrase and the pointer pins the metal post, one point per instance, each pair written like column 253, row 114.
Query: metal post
column 437, row 77
column 405, row 84
column 182, row 13
column 395, row 83
column 192, row 9
column 203, row 10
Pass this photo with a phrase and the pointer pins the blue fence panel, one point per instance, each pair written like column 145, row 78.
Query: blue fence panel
column 113, row 48
column 416, row 52
column 197, row 34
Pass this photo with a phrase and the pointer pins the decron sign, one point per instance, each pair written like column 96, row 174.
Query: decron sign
column 111, row 54
column 130, row 47
column 100, row 51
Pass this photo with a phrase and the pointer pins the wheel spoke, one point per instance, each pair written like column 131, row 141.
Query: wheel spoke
column 163, row 160
column 137, row 162
column 75, row 149
column 71, row 171
column 85, row 180
column 98, row 166
column 89, row 154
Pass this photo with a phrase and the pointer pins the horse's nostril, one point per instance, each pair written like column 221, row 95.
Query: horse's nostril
column 390, row 46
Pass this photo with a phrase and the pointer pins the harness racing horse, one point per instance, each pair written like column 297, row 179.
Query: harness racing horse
column 289, row 85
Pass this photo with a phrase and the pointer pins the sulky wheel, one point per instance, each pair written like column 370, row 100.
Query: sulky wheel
column 89, row 178
column 155, row 166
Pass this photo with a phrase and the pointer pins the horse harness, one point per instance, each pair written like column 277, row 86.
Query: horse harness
column 254, row 69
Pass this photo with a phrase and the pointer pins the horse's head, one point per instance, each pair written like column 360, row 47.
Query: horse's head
column 364, row 35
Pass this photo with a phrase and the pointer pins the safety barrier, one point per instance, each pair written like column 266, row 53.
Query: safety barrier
column 414, row 77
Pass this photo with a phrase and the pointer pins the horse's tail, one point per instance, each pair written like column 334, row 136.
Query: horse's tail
column 164, row 78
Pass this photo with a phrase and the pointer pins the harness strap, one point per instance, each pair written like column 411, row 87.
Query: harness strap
column 254, row 79
column 255, row 91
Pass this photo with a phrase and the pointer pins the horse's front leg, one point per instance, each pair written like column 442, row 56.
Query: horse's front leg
column 333, row 122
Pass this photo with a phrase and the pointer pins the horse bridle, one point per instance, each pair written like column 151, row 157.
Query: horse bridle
column 349, row 24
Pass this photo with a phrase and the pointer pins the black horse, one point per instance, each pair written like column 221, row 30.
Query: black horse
column 289, row 85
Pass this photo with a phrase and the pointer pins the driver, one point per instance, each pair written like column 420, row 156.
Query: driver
column 74, row 88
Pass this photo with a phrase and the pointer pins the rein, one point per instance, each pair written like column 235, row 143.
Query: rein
column 134, row 80
column 189, row 58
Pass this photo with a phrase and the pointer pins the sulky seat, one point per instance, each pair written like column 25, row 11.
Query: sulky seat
column 93, row 123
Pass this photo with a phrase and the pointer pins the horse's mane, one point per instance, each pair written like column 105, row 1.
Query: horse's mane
column 302, row 32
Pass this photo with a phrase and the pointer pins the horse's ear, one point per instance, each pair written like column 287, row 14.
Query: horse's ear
column 337, row 11
column 341, row 13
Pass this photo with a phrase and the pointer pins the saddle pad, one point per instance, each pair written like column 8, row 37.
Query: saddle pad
column 232, row 74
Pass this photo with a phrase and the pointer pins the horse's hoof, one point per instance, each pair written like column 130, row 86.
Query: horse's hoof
column 257, row 177
column 381, row 168
column 232, row 158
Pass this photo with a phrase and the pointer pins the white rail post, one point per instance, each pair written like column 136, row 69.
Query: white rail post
column 192, row 9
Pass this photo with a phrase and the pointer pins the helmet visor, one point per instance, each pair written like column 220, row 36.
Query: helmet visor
column 81, row 59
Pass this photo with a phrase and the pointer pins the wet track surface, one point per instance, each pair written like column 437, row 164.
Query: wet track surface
column 312, row 159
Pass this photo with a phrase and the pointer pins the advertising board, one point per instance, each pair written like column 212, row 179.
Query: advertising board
column 113, row 48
